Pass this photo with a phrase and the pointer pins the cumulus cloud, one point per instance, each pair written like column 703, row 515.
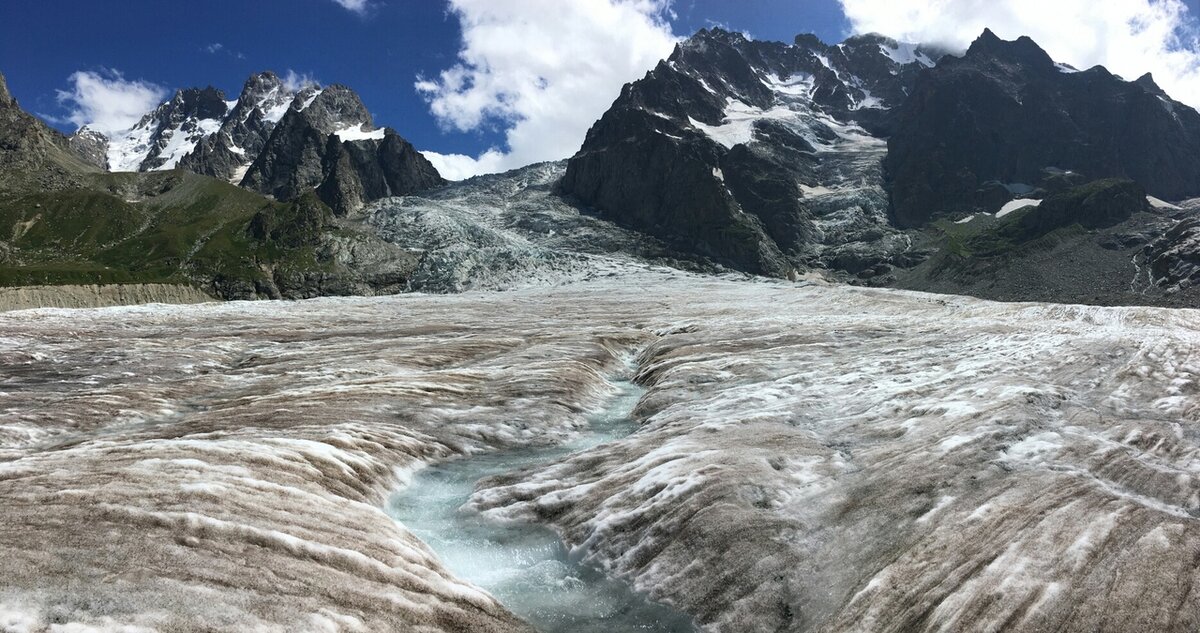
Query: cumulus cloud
column 1129, row 37
column 355, row 6
column 215, row 47
column 106, row 101
column 542, row 71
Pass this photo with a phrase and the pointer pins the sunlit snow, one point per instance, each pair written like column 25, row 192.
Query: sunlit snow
column 1019, row 203
column 356, row 133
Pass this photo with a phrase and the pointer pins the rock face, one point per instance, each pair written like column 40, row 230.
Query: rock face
column 1004, row 112
column 228, row 153
column 357, row 172
column 1174, row 258
column 32, row 155
column 274, row 139
column 329, row 142
column 1095, row 205
column 757, row 154
column 291, row 159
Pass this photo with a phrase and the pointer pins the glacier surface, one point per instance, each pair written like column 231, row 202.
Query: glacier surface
column 808, row 457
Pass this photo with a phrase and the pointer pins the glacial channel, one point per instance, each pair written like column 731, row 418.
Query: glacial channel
column 527, row 567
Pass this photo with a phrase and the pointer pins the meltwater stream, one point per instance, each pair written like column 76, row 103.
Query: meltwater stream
column 526, row 567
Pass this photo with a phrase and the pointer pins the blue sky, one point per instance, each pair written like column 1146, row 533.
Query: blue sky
column 509, row 82
column 379, row 54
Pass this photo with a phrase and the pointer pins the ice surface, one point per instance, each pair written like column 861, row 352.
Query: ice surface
column 807, row 456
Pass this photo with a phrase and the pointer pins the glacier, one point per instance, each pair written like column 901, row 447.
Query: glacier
column 807, row 457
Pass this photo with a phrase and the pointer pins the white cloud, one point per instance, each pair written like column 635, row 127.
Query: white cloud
column 543, row 71
column 356, row 6
column 106, row 102
column 461, row 166
column 1129, row 37
column 295, row 81
column 214, row 47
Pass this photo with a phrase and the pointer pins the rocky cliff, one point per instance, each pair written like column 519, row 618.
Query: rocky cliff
column 1005, row 116
column 329, row 142
column 761, row 155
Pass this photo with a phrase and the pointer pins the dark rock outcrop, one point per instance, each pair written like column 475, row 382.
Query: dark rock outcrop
column 1095, row 205
column 327, row 141
column 357, row 172
column 1174, row 258
column 291, row 159
column 1005, row 112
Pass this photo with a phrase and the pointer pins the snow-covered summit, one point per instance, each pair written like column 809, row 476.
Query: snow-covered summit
column 200, row 130
column 163, row 136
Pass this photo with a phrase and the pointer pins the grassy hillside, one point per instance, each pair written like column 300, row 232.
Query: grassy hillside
column 174, row 227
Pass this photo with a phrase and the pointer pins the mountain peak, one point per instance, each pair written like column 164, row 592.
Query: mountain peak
column 809, row 41
column 1022, row 50
column 5, row 97
column 262, row 83
column 1147, row 82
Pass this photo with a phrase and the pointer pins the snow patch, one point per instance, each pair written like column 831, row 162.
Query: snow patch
column 737, row 127
column 310, row 99
column 1019, row 203
column 813, row 192
column 180, row 143
column 868, row 102
column 798, row 85
column 1160, row 204
column 356, row 133
column 905, row 54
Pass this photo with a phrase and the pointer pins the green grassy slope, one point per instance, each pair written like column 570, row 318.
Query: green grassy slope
column 173, row 227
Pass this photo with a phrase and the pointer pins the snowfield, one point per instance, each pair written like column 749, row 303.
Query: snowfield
column 811, row 457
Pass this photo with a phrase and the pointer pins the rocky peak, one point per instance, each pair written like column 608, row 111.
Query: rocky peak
column 1147, row 82
column 91, row 146
column 259, row 85
column 1022, row 51
column 327, row 141
column 193, row 103
column 331, row 109
column 713, row 149
column 263, row 102
column 6, row 98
